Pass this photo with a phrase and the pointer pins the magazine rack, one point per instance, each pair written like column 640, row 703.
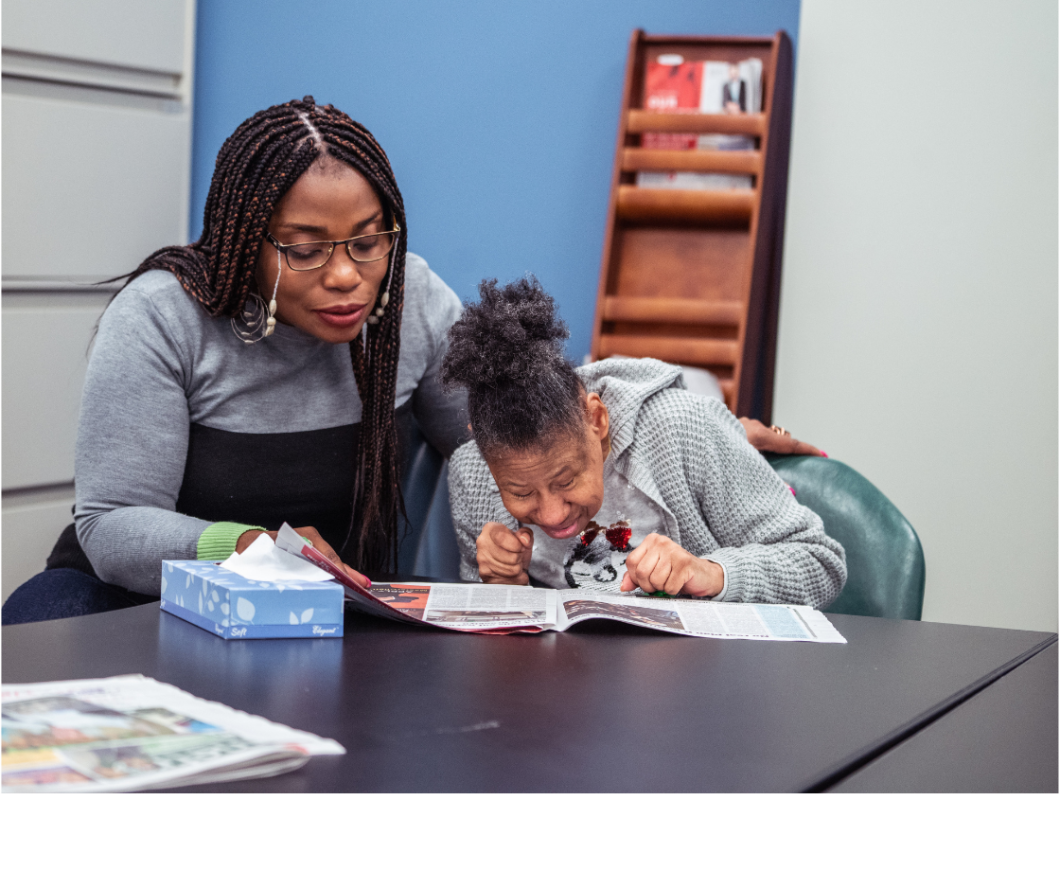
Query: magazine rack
column 693, row 276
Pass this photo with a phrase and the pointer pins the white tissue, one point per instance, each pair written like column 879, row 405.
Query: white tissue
column 264, row 561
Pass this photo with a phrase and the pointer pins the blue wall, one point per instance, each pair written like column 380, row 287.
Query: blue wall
column 499, row 117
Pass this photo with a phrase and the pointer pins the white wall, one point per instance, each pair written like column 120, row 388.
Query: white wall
column 918, row 328
column 97, row 154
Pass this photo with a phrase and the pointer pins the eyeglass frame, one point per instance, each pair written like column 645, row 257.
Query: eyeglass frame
column 282, row 248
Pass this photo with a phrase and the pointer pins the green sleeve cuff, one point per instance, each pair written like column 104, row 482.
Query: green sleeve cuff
column 218, row 540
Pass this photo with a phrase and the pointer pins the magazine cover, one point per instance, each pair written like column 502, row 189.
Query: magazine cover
column 672, row 84
column 672, row 87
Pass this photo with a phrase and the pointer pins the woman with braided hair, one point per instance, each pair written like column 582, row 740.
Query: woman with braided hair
column 259, row 375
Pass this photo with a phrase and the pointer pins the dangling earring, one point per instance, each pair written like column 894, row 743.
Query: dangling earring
column 256, row 322
column 374, row 317
column 270, row 324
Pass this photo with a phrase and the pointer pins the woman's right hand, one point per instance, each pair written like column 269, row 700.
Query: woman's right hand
column 247, row 538
column 764, row 438
column 503, row 555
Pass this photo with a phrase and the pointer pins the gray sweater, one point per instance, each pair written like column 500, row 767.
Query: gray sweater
column 161, row 364
column 691, row 457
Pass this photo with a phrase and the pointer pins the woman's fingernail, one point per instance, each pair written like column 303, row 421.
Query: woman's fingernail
column 792, row 489
column 823, row 454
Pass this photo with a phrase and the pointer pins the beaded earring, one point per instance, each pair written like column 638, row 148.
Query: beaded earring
column 374, row 317
column 258, row 322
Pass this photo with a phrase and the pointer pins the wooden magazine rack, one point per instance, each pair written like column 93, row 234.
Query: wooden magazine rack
column 693, row 276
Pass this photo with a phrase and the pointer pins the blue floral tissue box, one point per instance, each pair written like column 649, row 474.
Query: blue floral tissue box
column 231, row 606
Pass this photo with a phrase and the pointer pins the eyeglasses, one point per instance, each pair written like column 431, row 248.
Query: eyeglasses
column 303, row 256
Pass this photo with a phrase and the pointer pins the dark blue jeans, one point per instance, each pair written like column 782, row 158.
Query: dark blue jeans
column 58, row 593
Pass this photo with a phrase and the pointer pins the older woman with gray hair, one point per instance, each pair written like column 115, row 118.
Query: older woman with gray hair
column 612, row 476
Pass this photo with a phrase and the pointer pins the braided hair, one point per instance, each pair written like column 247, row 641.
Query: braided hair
column 255, row 167
column 508, row 351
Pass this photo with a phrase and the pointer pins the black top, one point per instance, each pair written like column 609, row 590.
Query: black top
column 264, row 479
column 239, row 476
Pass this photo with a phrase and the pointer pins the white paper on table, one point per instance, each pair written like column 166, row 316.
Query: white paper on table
column 264, row 561
column 165, row 737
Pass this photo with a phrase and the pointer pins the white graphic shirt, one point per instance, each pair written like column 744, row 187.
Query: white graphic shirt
column 596, row 559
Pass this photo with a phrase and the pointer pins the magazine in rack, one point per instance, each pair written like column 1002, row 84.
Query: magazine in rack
column 504, row 609
column 672, row 84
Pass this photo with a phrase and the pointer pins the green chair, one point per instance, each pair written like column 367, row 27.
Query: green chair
column 885, row 562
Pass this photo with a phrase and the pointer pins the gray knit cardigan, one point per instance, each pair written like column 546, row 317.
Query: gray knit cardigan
column 689, row 455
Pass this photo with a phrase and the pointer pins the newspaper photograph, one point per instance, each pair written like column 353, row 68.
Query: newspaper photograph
column 409, row 599
column 128, row 733
column 638, row 611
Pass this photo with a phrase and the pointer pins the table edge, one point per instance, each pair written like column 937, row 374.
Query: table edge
column 826, row 780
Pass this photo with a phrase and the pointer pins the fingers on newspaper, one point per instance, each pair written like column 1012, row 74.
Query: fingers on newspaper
column 122, row 734
column 502, row 609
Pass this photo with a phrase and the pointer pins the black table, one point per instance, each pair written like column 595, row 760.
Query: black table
column 1002, row 739
column 603, row 707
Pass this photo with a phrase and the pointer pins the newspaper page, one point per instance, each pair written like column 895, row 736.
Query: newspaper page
column 476, row 607
column 464, row 607
column 484, row 608
column 704, row 619
column 122, row 734
column 503, row 608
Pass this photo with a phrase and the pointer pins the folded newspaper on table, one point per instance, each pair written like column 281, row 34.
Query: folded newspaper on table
column 121, row 734
column 501, row 609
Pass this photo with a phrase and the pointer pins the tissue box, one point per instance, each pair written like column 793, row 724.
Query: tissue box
column 229, row 605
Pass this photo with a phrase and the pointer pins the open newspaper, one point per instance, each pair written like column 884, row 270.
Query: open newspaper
column 121, row 734
column 501, row 609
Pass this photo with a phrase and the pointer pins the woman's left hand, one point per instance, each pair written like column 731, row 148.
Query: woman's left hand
column 658, row 564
